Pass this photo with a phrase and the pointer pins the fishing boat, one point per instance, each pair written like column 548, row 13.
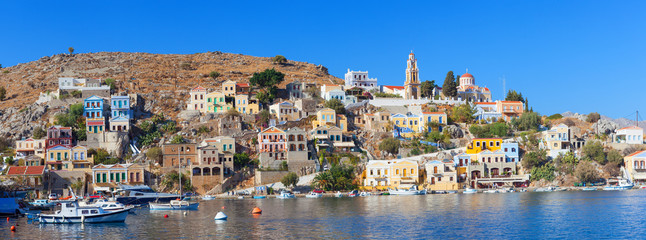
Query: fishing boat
column 411, row 191
column 71, row 212
column 208, row 197
column 470, row 191
column 353, row 193
column 285, row 195
column 622, row 184
column 313, row 194
column 259, row 197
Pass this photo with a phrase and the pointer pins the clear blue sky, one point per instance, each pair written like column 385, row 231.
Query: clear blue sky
column 580, row 56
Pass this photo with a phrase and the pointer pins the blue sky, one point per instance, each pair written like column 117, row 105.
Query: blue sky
column 580, row 56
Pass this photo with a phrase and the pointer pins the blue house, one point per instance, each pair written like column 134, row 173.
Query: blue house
column 120, row 106
column 93, row 112
column 511, row 151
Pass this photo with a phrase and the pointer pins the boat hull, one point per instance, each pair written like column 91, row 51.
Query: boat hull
column 144, row 200
column 115, row 216
column 168, row 206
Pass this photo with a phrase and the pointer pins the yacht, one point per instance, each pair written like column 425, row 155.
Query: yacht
column 208, row 197
column 141, row 194
column 411, row 191
column 285, row 195
column 71, row 212
column 174, row 205
column 105, row 205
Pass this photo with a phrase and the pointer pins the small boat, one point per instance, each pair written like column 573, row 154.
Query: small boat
column 220, row 216
column 106, row 205
column 491, row 191
column 523, row 190
column 313, row 194
column 44, row 203
column 560, row 189
column 208, row 197
column 589, row 189
column 353, row 193
column 365, row 194
column 71, row 212
column 285, row 195
column 622, row 184
column 385, row 193
column 259, row 197
column 545, row 189
column 141, row 195
column 642, row 187
column 470, row 191
column 452, row 192
column 338, row 194
column 411, row 191
column 174, row 205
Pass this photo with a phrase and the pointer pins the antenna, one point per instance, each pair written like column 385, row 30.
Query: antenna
column 504, row 88
column 637, row 118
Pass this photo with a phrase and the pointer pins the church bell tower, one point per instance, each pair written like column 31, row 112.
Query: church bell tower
column 412, row 84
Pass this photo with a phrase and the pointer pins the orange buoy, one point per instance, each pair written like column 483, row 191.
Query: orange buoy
column 7, row 219
column 166, row 216
column 256, row 210
column 222, row 207
column 13, row 228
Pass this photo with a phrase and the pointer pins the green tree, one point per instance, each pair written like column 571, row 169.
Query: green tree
column 543, row 172
column 177, row 139
column 101, row 156
column 555, row 116
column 267, row 78
column 463, row 113
column 390, row 145
column 71, row 50
column 39, row 133
column 512, row 95
column 586, row 172
column 450, row 87
column 80, row 130
column 427, row 88
column 77, row 186
column 263, row 117
column 280, row 59
column 593, row 117
column 614, row 157
column 335, row 104
column 291, row 179
column 240, row 160
column 283, row 166
column 339, row 177
column 534, row 159
column 499, row 129
column 566, row 163
column 593, row 151
column 527, row 121
column 214, row 75
column 155, row 154
column 111, row 82
column 3, row 93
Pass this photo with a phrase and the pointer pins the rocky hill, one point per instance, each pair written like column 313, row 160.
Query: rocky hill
column 162, row 80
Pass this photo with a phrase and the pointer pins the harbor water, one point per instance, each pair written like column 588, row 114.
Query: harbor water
column 549, row 215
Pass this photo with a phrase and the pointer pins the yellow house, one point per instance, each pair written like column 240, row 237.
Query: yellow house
column 328, row 116
column 216, row 103
column 441, row 175
column 384, row 174
column 246, row 105
column 438, row 117
column 229, row 88
column 406, row 125
column 63, row 158
column 480, row 144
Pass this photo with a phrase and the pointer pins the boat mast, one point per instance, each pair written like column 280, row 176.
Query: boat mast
column 179, row 165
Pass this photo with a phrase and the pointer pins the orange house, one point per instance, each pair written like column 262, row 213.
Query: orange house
column 510, row 109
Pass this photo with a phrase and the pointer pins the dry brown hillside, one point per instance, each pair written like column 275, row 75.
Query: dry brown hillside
column 153, row 75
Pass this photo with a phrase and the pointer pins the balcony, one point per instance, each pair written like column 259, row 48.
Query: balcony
column 273, row 140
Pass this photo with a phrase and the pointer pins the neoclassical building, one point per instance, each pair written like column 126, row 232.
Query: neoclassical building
column 412, row 84
column 469, row 91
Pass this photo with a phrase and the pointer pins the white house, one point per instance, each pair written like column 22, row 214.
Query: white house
column 360, row 79
column 335, row 94
column 630, row 135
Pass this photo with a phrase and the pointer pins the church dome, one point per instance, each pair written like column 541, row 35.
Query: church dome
column 467, row 75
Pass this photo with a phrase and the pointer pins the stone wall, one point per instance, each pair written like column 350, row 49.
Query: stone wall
column 114, row 142
column 202, row 184
column 266, row 177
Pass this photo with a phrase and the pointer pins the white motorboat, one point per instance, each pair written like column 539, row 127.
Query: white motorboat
column 45, row 203
column 411, row 191
column 208, row 197
column 338, row 194
column 470, row 191
column 140, row 195
column 105, row 204
column 285, row 195
column 174, row 205
column 622, row 184
column 353, row 193
column 314, row 195
column 545, row 189
column 71, row 212
column 491, row 191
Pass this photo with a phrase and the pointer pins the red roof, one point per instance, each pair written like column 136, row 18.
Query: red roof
column 433, row 113
column 483, row 103
column 394, row 87
column 467, row 75
column 635, row 153
column 198, row 88
column 631, row 127
column 242, row 85
column 26, row 170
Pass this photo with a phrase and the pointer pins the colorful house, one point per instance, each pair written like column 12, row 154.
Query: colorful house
column 130, row 173
column 328, row 116
column 510, row 109
column 406, row 126
column 63, row 158
column 93, row 110
column 58, row 135
column 441, row 175
column 229, row 88
column 30, row 146
column 285, row 111
column 629, row 135
column 480, row 144
column 120, row 107
column 429, row 117
column 556, row 140
column 635, row 165
column 244, row 104
column 197, row 100
column 216, row 103
column 384, row 174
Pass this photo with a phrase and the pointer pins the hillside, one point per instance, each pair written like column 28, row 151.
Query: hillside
column 148, row 74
